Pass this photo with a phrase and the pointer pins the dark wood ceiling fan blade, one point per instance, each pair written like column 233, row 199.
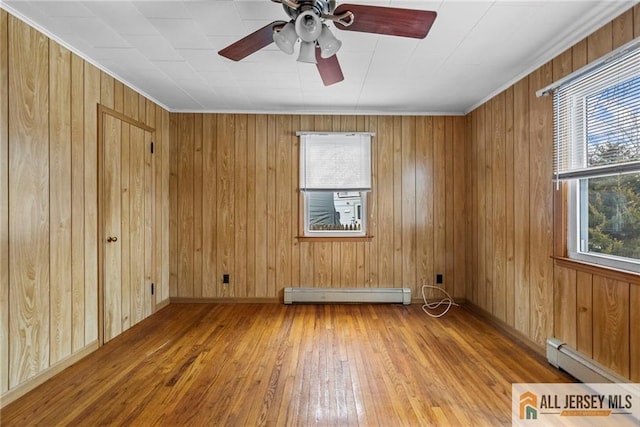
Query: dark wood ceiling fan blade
column 387, row 20
column 329, row 69
column 251, row 43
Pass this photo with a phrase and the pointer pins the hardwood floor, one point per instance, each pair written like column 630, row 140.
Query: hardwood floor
column 271, row 364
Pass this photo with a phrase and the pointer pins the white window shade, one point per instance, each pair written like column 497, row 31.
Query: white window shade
column 335, row 161
column 597, row 117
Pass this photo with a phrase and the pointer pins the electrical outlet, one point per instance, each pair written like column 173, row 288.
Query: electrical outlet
column 439, row 279
column 225, row 279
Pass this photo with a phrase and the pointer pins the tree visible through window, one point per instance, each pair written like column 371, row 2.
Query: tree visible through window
column 613, row 137
column 597, row 152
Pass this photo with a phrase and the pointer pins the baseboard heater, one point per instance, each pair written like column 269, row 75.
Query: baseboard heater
column 347, row 295
column 560, row 355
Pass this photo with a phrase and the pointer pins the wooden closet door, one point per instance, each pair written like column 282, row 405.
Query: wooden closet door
column 127, row 181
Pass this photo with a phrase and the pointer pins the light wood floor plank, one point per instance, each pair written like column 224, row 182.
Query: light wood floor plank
column 271, row 364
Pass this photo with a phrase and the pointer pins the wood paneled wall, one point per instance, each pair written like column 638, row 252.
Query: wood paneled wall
column 49, row 208
column 512, row 275
column 235, row 206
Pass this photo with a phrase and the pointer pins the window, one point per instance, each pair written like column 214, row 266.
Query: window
column 335, row 178
column 597, row 150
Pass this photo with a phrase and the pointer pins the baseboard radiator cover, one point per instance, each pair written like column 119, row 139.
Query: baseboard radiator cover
column 347, row 295
column 560, row 355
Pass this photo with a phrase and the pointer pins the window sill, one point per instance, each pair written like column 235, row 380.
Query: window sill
column 610, row 272
column 335, row 239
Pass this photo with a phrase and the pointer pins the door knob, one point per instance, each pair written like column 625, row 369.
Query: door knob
column 112, row 239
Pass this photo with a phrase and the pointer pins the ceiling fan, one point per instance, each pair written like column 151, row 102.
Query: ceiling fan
column 317, row 44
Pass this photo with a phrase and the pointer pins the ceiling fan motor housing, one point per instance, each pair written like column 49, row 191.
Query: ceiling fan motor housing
column 319, row 7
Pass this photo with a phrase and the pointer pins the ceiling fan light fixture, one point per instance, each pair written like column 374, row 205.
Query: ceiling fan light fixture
column 286, row 38
column 329, row 44
column 307, row 53
column 308, row 26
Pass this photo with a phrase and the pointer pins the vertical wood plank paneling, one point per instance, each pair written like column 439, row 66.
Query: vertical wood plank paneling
column 174, row 217
column 565, row 306
column 119, row 98
column 198, row 184
column 579, row 54
column 28, row 202
column 439, row 196
column 209, row 207
column 396, row 200
column 424, row 201
column 225, row 196
column 60, row 292
column 460, row 230
column 142, row 109
column 163, row 123
column 584, row 302
column 521, row 204
column 77, row 203
column 385, row 200
column 92, row 82
column 129, row 101
column 449, row 211
column 622, row 29
column 4, row 204
column 509, row 207
column 611, row 324
column 541, row 239
column 499, row 207
column 271, row 203
column 409, row 204
column 283, row 218
column 472, row 287
column 600, row 42
column 251, row 254
column 241, row 195
column 262, row 237
column 185, row 205
column 488, row 194
column 107, row 90
column 482, row 208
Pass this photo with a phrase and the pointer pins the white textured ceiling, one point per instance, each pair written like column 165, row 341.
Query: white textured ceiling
column 168, row 51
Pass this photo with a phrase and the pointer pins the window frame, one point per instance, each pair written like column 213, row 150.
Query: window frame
column 573, row 121
column 305, row 233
